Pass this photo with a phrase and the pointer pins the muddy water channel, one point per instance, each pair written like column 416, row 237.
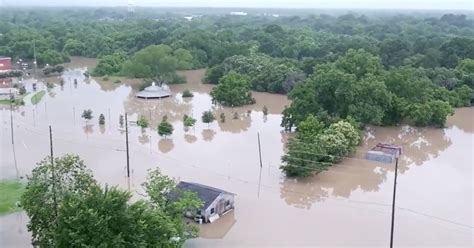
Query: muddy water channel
column 348, row 205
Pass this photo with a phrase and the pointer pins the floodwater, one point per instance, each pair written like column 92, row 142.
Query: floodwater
column 348, row 205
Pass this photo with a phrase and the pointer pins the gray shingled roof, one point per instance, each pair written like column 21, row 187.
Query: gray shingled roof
column 206, row 193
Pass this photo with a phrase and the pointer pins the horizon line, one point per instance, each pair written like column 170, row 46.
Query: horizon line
column 241, row 7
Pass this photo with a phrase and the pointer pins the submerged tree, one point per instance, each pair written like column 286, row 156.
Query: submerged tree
column 316, row 148
column 222, row 117
column 233, row 90
column 265, row 110
column 121, row 120
column 142, row 122
column 188, row 121
column 87, row 114
column 165, row 128
column 187, row 93
column 101, row 119
column 208, row 117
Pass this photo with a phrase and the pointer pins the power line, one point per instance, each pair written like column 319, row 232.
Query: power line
column 181, row 163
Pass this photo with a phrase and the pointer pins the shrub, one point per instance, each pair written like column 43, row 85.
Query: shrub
column 187, row 93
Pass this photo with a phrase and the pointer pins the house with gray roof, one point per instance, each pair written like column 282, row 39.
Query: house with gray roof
column 217, row 202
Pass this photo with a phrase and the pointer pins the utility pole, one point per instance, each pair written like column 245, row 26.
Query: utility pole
column 259, row 149
column 126, row 140
column 110, row 124
column 393, row 201
column 53, row 175
column 260, row 157
column 11, row 116
column 34, row 54
column 13, row 140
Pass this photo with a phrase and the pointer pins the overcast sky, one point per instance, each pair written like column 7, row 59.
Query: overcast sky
column 371, row 4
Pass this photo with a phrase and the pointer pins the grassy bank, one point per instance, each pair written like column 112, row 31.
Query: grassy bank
column 16, row 102
column 37, row 97
column 10, row 192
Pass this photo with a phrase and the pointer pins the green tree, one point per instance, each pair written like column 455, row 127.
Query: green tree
column 465, row 72
column 101, row 119
column 70, row 209
column 121, row 120
column 165, row 128
column 440, row 111
column 187, row 93
column 87, row 114
column 265, row 110
column 45, row 191
column 315, row 148
column 189, row 121
column 50, row 57
column 159, row 188
column 74, row 47
column 233, row 90
column 359, row 63
column 207, row 117
column 142, row 122
column 309, row 128
column 109, row 64
column 157, row 62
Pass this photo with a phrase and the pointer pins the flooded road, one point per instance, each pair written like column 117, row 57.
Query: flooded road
column 348, row 205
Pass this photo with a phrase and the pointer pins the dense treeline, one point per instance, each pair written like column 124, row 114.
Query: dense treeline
column 398, row 40
column 341, row 72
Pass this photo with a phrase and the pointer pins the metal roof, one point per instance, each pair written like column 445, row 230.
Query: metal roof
column 206, row 193
column 154, row 91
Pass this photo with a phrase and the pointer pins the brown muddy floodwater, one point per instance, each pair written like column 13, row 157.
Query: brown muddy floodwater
column 348, row 205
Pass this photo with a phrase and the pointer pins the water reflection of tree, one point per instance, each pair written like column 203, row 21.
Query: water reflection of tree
column 157, row 108
column 463, row 119
column 88, row 129
column 419, row 145
column 190, row 138
column 165, row 145
column 107, row 85
column 144, row 138
column 208, row 134
column 241, row 124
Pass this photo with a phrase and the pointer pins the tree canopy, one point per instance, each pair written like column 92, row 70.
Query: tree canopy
column 68, row 208
column 158, row 62
column 233, row 90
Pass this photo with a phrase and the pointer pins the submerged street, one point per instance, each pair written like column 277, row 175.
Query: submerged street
column 349, row 204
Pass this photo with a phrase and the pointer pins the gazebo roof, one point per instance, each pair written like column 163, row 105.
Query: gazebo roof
column 154, row 91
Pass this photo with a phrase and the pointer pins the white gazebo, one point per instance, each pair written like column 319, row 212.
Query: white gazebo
column 154, row 92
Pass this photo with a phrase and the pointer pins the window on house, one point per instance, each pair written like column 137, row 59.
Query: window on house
column 199, row 212
column 227, row 203
column 212, row 210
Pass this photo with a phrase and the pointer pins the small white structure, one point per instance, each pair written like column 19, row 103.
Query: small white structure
column 238, row 13
column 386, row 153
column 154, row 92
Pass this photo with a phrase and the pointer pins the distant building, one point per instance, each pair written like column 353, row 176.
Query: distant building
column 154, row 92
column 382, row 152
column 238, row 13
column 7, row 89
column 5, row 64
column 217, row 202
